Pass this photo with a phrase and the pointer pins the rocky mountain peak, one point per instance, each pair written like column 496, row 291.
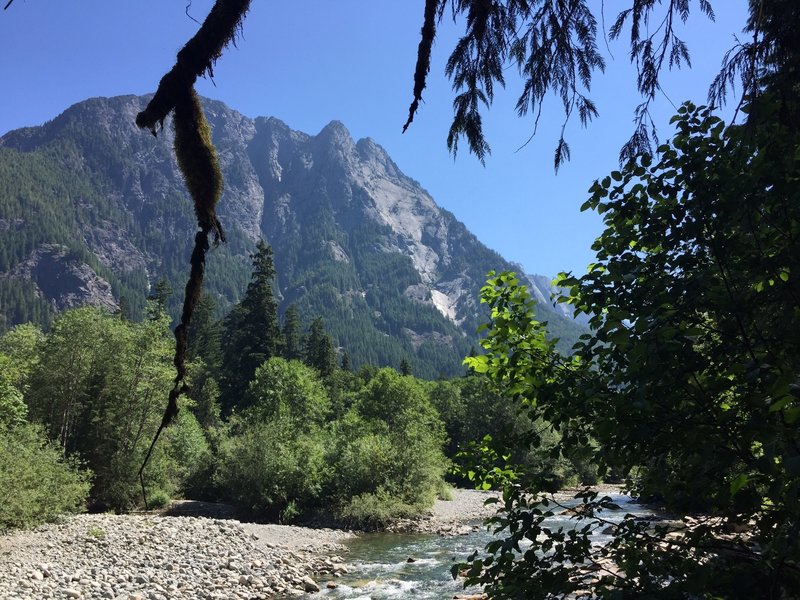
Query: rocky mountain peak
column 274, row 128
column 335, row 145
column 373, row 155
column 335, row 133
column 355, row 240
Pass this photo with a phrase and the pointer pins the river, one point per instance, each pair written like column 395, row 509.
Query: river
column 380, row 567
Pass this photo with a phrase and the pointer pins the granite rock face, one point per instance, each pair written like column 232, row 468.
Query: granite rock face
column 64, row 279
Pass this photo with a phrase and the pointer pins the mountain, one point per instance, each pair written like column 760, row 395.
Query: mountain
column 93, row 210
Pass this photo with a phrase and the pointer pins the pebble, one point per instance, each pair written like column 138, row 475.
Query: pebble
column 156, row 558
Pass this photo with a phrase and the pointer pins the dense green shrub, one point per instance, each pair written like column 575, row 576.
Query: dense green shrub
column 283, row 387
column 97, row 384
column 375, row 510
column 472, row 407
column 272, row 458
column 381, row 460
column 270, row 466
column 360, row 457
column 386, row 454
column 18, row 356
column 158, row 499
column 36, row 482
column 188, row 452
column 12, row 407
column 21, row 346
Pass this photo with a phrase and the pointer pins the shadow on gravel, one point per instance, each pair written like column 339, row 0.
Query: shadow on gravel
column 218, row 510
column 211, row 510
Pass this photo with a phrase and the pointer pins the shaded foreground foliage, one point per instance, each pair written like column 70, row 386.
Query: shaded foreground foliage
column 687, row 383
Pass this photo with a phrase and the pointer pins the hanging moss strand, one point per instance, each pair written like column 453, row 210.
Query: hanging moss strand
column 197, row 159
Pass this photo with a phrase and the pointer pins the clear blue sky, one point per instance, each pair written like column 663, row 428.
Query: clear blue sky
column 308, row 62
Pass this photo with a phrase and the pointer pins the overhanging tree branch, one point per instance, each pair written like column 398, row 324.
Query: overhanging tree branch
column 423, row 56
column 197, row 160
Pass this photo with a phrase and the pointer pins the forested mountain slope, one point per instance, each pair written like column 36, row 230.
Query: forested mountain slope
column 93, row 210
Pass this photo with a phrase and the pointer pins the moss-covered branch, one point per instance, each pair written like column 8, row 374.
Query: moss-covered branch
column 197, row 160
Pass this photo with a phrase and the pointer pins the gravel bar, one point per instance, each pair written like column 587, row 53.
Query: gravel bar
column 146, row 557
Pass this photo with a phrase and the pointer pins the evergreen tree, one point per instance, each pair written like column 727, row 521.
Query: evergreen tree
column 205, row 393
column 124, row 308
column 320, row 353
column 205, row 334
column 292, row 334
column 346, row 366
column 367, row 372
column 405, row 367
column 252, row 333
column 159, row 299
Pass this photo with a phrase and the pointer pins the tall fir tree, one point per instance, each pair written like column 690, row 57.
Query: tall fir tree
column 292, row 334
column 205, row 334
column 251, row 330
column 320, row 352
column 157, row 301
column 346, row 365
column 124, row 308
column 405, row 367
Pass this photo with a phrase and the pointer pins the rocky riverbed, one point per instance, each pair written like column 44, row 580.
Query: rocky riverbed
column 136, row 557
column 159, row 557
column 155, row 557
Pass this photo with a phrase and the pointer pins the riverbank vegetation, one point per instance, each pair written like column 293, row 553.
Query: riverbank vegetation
column 275, row 421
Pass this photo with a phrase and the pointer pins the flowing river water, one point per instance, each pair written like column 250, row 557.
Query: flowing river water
column 380, row 567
